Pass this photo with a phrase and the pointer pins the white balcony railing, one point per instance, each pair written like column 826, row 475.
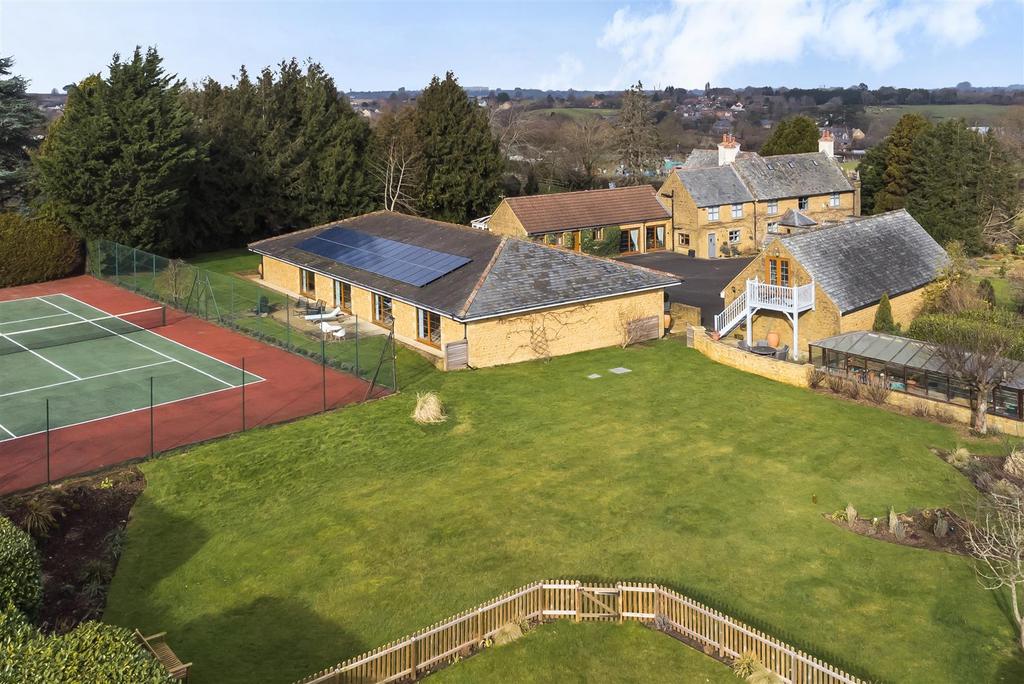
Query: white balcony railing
column 780, row 297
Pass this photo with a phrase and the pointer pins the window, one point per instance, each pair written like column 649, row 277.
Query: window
column 833, row 199
column 307, row 282
column 655, row 237
column 429, row 327
column 802, row 203
column 684, row 239
column 629, row 241
column 773, row 207
column 734, row 236
column 737, row 211
column 1006, row 402
column 773, row 227
column 777, row 271
column 382, row 310
column 599, row 233
column 342, row 295
column 712, row 213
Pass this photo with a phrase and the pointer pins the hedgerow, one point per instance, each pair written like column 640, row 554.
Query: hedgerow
column 33, row 250
column 20, row 574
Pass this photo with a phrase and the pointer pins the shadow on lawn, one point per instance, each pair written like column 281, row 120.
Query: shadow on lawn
column 238, row 644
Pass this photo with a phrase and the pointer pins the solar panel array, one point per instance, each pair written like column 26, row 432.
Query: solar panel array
column 389, row 258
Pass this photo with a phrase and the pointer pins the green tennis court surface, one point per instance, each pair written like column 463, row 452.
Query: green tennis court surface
column 91, row 364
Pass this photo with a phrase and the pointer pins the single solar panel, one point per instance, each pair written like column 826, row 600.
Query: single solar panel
column 399, row 261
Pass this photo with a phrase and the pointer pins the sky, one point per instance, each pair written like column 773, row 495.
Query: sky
column 587, row 45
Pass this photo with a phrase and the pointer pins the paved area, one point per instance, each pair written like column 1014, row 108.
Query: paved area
column 703, row 279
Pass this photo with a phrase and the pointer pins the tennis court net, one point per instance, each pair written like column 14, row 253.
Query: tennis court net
column 61, row 334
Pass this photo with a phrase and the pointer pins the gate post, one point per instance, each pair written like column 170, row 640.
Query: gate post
column 578, row 606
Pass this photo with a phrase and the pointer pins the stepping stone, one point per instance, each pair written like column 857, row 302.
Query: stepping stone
column 620, row 370
column 593, row 376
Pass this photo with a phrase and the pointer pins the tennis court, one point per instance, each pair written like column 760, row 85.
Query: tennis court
column 90, row 364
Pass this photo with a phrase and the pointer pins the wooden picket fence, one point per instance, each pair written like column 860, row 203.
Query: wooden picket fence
column 409, row 658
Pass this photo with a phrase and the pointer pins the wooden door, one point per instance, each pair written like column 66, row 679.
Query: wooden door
column 777, row 271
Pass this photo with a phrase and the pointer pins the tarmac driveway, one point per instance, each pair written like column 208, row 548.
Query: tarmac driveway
column 703, row 279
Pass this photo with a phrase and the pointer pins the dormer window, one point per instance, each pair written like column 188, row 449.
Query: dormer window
column 802, row 203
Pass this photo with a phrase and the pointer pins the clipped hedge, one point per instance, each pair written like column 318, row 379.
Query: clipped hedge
column 91, row 652
column 20, row 573
column 33, row 250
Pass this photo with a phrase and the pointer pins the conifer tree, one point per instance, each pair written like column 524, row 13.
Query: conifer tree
column 960, row 181
column 18, row 119
column 898, row 154
column 636, row 136
column 118, row 163
column 461, row 161
column 792, row 136
column 884, row 322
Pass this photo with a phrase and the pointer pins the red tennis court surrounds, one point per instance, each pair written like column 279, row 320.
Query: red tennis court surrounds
column 293, row 387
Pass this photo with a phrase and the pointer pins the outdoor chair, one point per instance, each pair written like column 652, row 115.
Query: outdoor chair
column 324, row 316
column 338, row 334
column 312, row 308
column 157, row 646
column 330, row 328
column 783, row 353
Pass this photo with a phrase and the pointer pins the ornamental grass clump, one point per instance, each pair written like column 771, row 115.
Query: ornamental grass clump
column 429, row 409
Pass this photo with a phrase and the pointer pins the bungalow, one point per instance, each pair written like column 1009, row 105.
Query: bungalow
column 732, row 201
column 632, row 215
column 466, row 297
column 817, row 284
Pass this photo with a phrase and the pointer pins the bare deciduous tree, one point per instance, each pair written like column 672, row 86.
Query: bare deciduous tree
column 996, row 540
column 396, row 166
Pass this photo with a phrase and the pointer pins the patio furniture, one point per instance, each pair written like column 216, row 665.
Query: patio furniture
column 761, row 343
column 743, row 346
column 783, row 353
column 763, row 350
column 263, row 307
column 324, row 316
column 157, row 646
column 338, row 334
column 329, row 328
column 310, row 307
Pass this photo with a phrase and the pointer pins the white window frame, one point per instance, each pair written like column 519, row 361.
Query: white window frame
column 773, row 227
column 773, row 207
column 713, row 213
column 737, row 211
column 833, row 200
column 738, row 236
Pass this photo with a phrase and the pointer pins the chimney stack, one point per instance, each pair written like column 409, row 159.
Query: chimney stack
column 727, row 150
column 827, row 144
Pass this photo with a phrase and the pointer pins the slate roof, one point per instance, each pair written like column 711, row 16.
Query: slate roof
column 504, row 274
column 794, row 219
column 699, row 158
column 714, row 185
column 587, row 209
column 792, row 175
column 857, row 261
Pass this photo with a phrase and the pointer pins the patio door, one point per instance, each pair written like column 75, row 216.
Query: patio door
column 777, row 271
column 712, row 245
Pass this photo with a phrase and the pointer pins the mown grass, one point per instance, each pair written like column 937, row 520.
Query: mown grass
column 973, row 114
column 275, row 553
column 573, row 112
column 595, row 652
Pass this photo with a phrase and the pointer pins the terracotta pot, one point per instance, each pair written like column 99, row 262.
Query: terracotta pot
column 773, row 339
column 668, row 321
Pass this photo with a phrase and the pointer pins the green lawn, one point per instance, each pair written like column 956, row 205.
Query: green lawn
column 278, row 552
column 228, row 261
column 591, row 652
column 973, row 114
column 574, row 112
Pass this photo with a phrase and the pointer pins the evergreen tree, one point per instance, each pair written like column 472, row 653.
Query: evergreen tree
column 636, row 136
column 461, row 161
column 792, row 136
column 870, row 171
column 960, row 181
column 884, row 322
column 118, row 163
column 898, row 153
column 18, row 118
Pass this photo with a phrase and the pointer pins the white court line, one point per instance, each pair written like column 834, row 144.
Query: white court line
column 88, row 377
column 164, row 337
column 155, row 351
column 122, row 413
column 26, row 320
column 7, row 431
column 37, row 354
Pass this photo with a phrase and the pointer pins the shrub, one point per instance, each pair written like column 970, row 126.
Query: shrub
column 92, row 652
column 816, row 378
column 894, row 520
column 851, row 388
column 41, row 513
column 35, row 250
column 608, row 245
column 959, row 457
column 836, row 383
column 987, row 292
column 745, row 665
column 1014, row 463
column 884, row 322
column 428, row 409
column 921, row 409
column 877, row 391
column 1006, row 489
column 851, row 514
column 20, row 573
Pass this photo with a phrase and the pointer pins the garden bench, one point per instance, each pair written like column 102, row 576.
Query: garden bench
column 157, row 646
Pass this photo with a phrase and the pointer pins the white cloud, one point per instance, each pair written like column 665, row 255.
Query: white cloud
column 694, row 41
column 564, row 76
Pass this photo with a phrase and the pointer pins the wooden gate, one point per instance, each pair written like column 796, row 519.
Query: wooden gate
column 599, row 603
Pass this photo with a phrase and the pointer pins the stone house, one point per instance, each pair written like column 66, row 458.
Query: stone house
column 465, row 297
column 816, row 284
column 730, row 201
column 564, row 219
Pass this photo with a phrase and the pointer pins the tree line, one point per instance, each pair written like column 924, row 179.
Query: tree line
column 141, row 158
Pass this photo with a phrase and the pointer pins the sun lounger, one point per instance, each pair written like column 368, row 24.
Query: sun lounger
column 328, row 316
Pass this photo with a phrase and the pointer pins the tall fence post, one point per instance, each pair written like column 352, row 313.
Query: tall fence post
column 47, row 440
column 413, row 666
column 243, row 394
column 152, row 443
column 357, row 346
column 287, row 322
column 577, row 602
column 323, row 368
